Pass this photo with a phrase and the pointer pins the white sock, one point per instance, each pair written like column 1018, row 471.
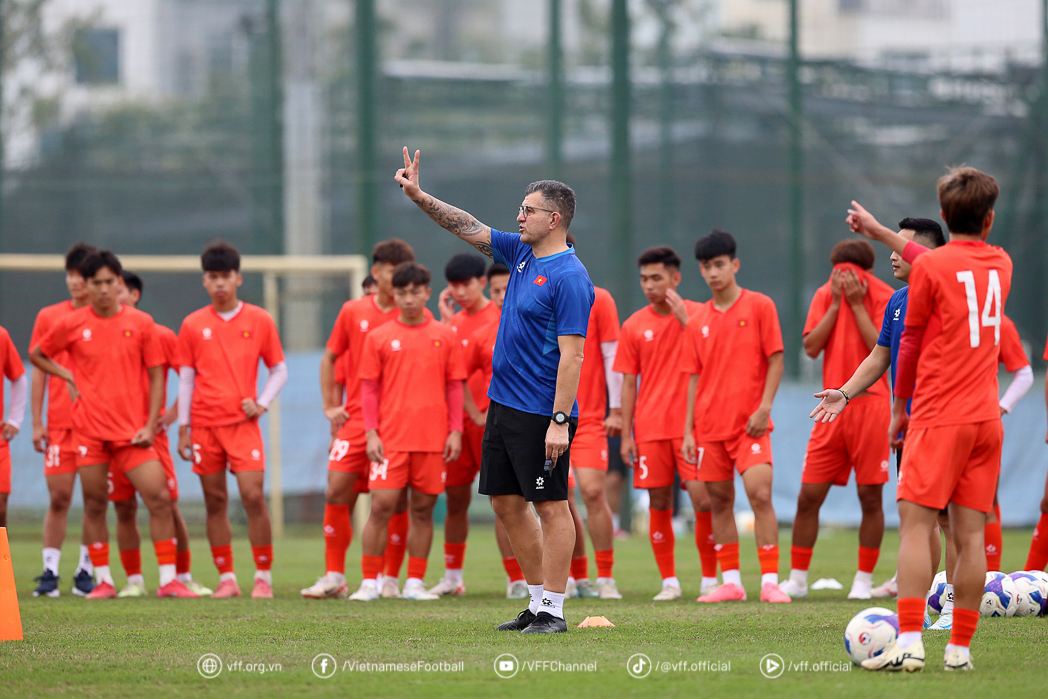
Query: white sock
column 137, row 580
column 553, row 603
column 966, row 651
column 340, row 578
column 799, row 576
column 732, row 576
column 227, row 576
column 601, row 581
column 379, row 580
column 413, row 581
column 535, row 593
column 772, row 578
column 85, row 561
column 265, row 575
column 571, row 580
column 864, row 577
column 102, row 575
column 670, row 582
column 908, row 638
column 707, row 582
column 947, row 606
column 370, row 582
column 453, row 576
column 514, row 582
column 185, row 577
column 52, row 557
column 167, row 574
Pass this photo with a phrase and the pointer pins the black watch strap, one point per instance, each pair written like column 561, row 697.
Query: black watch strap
column 560, row 417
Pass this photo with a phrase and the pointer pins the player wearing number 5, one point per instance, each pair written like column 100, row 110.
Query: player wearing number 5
column 949, row 350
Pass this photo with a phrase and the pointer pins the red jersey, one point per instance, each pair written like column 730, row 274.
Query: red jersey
column 356, row 319
column 1013, row 356
column 413, row 365
column 650, row 347
column 603, row 327
column 729, row 351
column 225, row 356
column 466, row 325
column 59, row 406
column 10, row 364
column 168, row 342
column 109, row 358
column 479, row 352
column 957, row 294
column 845, row 349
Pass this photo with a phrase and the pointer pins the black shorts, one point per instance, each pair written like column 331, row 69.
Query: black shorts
column 513, row 456
column 615, row 462
column 898, row 467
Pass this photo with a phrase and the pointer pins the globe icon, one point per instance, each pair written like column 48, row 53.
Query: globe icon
column 209, row 666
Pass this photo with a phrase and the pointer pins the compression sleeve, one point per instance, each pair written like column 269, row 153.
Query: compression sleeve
column 275, row 382
column 1022, row 380
column 611, row 377
column 19, row 393
column 186, row 382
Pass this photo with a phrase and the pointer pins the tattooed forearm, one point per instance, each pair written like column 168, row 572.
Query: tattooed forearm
column 457, row 221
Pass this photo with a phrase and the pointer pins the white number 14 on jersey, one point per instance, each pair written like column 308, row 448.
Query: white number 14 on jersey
column 991, row 312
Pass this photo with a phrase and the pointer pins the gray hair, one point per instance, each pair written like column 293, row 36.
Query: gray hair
column 560, row 195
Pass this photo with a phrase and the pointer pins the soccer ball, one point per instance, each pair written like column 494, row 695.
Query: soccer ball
column 1032, row 594
column 937, row 595
column 998, row 595
column 869, row 633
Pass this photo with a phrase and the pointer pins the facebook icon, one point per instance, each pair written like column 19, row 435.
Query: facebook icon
column 324, row 666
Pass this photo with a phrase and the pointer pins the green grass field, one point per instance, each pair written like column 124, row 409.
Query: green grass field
column 125, row 648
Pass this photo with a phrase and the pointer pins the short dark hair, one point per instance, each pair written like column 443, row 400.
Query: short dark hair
column 368, row 281
column 76, row 254
column 96, row 260
column 392, row 251
column 966, row 196
column 662, row 254
column 220, row 256
column 857, row 251
column 715, row 244
column 926, row 229
column 408, row 273
column 558, row 195
column 569, row 239
column 496, row 269
column 133, row 282
column 463, row 267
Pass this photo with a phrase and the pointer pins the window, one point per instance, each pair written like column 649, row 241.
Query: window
column 96, row 56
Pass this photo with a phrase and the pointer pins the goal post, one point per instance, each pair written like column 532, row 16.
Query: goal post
column 272, row 268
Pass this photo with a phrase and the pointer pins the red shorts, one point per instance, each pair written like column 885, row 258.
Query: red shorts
column 120, row 487
column 424, row 471
column 857, row 439
column 349, row 455
column 240, row 446
column 5, row 466
column 589, row 447
column 61, row 453
column 120, row 455
column 952, row 463
column 464, row 470
column 657, row 462
column 571, row 474
column 719, row 460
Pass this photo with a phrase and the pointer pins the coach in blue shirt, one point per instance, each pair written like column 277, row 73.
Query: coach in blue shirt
column 536, row 365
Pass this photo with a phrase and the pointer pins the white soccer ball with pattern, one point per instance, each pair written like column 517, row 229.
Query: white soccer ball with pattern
column 869, row 633
column 1032, row 594
column 937, row 593
column 999, row 596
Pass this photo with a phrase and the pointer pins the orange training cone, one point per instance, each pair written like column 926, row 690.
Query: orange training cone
column 591, row 621
column 10, row 619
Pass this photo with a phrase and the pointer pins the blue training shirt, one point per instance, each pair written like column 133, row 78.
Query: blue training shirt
column 546, row 297
column 891, row 329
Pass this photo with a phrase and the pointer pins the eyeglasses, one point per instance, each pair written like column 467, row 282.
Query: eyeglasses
column 529, row 210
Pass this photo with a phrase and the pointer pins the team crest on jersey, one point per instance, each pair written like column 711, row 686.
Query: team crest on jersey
column 705, row 331
column 395, row 345
column 742, row 324
column 87, row 334
column 364, row 325
column 127, row 333
column 649, row 335
column 436, row 343
column 540, row 280
column 247, row 335
column 206, row 332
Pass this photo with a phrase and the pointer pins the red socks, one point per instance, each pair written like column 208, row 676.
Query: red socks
column 660, row 531
column 868, row 559
column 580, row 567
column 417, row 567
column 371, row 566
column 911, row 614
column 1038, row 557
column 99, row 552
column 396, row 544
column 728, row 556
column 223, row 557
column 964, row 623
column 183, row 561
column 338, row 533
column 768, row 556
column 605, row 561
column 166, row 551
column 800, row 557
column 704, row 542
column 513, row 571
column 263, row 556
column 131, row 560
column 454, row 555
column 994, row 545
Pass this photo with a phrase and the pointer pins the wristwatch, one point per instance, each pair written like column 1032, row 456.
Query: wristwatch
column 560, row 417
